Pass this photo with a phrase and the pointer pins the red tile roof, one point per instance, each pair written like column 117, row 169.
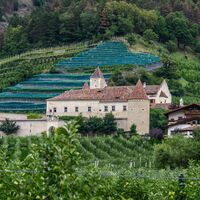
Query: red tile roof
column 165, row 106
column 121, row 93
column 152, row 89
column 97, row 73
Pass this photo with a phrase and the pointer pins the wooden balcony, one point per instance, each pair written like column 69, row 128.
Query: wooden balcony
column 192, row 113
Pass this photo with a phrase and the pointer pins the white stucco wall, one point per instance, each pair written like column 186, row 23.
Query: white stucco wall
column 96, row 106
column 97, row 83
column 137, row 111
column 30, row 127
column 13, row 116
column 176, row 127
column 162, row 100
column 176, row 115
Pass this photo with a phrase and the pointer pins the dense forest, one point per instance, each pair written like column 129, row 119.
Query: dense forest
column 54, row 22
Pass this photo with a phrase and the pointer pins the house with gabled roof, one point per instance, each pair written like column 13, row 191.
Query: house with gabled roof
column 129, row 104
column 184, row 119
column 159, row 95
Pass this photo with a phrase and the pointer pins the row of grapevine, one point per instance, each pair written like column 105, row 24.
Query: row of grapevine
column 117, row 151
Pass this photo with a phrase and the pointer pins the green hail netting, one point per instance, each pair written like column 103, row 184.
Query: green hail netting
column 23, row 106
column 32, row 93
column 109, row 54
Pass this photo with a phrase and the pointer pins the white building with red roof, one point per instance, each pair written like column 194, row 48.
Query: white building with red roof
column 159, row 95
column 129, row 104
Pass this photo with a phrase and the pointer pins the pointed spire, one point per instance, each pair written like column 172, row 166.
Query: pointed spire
column 164, row 82
column 85, row 86
column 97, row 73
column 139, row 91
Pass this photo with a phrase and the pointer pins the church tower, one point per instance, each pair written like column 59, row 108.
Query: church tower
column 97, row 80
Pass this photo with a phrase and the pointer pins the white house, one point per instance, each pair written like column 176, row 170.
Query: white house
column 159, row 95
column 183, row 120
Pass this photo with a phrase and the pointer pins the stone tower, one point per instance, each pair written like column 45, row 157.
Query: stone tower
column 97, row 80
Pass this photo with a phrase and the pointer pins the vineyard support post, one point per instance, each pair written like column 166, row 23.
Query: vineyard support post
column 181, row 181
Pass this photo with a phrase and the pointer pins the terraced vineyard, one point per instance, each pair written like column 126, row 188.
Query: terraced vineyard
column 30, row 95
column 109, row 54
column 48, row 52
column 18, row 68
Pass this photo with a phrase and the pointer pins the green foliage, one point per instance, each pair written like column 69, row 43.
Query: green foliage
column 109, row 124
column 196, row 134
column 197, row 47
column 133, row 130
column 171, row 46
column 158, row 119
column 120, row 132
column 180, row 28
column 58, row 167
column 59, row 22
column 96, row 125
column 12, row 35
column 93, row 125
column 176, row 152
column 9, row 127
column 34, row 116
column 117, row 79
column 169, row 69
column 149, row 35
column 38, row 2
column 131, row 39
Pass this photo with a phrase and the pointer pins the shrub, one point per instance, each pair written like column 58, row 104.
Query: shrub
column 150, row 35
column 131, row 39
column 158, row 119
column 120, row 132
column 34, row 116
column 9, row 127
column 156, row 134
column 171, row 46
column 196, row 134
column 93, row 125
column 109, row 123
column 133, row 130
column 176, row 152
column 197, row 47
